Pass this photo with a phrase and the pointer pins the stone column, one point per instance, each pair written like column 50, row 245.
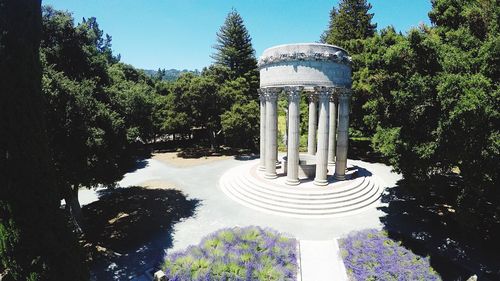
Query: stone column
column 332, row 132
column 262, row 160
column 271, row 128
column 311, row 130
column 343, row 134
column 292, row 176
column 322, row 153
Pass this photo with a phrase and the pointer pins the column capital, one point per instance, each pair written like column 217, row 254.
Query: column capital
column 343, row 93
column 334, row 98
column 322, row 95
column 293, row 93
column 262, row 95
column 288, row 89
column 312, row 97
column 271, row 95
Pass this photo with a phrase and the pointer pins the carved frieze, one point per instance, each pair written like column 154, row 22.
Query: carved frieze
column 337, row 57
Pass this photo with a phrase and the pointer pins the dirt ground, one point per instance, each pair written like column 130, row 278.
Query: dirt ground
column 158, row 184
column 172, row 158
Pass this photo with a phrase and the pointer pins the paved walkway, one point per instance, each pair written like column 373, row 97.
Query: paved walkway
column 217, row 211
column 321, row 261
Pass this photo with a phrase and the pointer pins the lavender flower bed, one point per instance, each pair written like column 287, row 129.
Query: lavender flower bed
column 371, row 255
column 249, row 253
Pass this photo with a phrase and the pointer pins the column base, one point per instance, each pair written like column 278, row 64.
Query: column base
column 292, row 181
column 320, row 182
column 261, row 168
column 270, row 176
column 331, row 163
column 339, row 177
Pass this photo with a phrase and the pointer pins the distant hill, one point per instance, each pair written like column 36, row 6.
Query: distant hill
column 170, row 74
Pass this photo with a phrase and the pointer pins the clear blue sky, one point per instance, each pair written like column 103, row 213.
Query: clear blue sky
column 180, row 34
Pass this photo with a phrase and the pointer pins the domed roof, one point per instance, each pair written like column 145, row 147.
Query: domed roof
column 305, row 64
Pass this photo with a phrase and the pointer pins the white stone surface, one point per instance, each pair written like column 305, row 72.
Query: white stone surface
column 262, row 132
column 321, row 261
column 322, row 152
column 249, row 187
column 293, row 140
column 332, row 132
column 271, row 132
column 311, row 129
column 307, row 64
column 343, row 136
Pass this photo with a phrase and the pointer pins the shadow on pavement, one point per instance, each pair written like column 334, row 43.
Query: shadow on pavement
column 423, row 217
column 362, row 150
column 128, row 229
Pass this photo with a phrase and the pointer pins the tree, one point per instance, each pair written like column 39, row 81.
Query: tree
column 350, row 21
column 432, row 99
column 241, row 124
column 234, row 48
column 96, row 110
column 133, row 97
column 348, row 28
column 236, row 71
column 35, row 241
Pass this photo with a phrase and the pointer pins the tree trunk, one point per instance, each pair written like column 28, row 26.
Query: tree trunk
column 75, row 208
column 211, row 135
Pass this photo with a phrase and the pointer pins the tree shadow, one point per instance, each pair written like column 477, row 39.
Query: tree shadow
column 139, row 164
column 246, row 156
column 423, row 216
column 128, row 229
column 360, row 149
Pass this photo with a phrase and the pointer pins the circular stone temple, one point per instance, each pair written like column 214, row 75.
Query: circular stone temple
column 316, row 184
column 323, row 73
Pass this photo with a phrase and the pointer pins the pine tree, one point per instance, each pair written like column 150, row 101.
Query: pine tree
column 234, row 46
column 35, row 242
column 350, row 21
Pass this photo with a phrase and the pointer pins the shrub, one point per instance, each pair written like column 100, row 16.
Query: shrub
column 249, row 253
column 371, row 255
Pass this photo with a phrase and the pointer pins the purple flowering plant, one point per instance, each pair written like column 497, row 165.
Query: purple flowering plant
column 372, row 255
column 249, row 253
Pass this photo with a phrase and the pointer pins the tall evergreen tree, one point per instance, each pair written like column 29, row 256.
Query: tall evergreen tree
column 349, row 25
column 236, row 70
column 35, row 242
column 234, row 46
column 350, row 21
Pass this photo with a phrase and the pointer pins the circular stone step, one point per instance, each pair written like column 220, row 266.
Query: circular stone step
column 246, row 185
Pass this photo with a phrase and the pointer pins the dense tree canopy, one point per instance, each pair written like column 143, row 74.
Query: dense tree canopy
column 96, row 106
column 431, row 97
column 348, row 27
column 35, row 241
column 234, row 50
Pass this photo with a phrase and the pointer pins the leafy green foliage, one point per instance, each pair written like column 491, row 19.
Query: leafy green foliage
column 35, row 242
column 431, row 98
column 96, row 106
column 241, row 124
column 235, row 52
column 348, row 28
column 222, row 100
